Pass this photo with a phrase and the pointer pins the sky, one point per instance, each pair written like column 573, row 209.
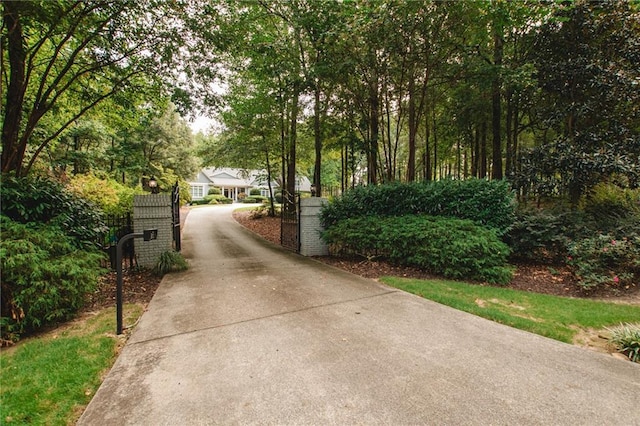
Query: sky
column 201, row 124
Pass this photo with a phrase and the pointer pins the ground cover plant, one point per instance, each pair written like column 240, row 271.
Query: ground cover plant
column 559, row 318
column 48, row 379
column 626, row 337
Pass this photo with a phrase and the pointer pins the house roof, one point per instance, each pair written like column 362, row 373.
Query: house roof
column 226, row 177
column 237, row 178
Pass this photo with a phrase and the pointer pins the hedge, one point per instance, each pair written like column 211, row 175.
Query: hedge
column 490, row 203
column 454, row 248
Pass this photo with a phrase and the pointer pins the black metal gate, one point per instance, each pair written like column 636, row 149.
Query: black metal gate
column 290, row 222
column 175, row 216
column 118, row 227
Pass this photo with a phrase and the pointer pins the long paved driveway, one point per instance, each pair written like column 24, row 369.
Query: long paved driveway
column 252, row 334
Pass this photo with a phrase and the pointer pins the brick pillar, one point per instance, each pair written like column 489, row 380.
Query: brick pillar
column 152, row 211
column 310, row 228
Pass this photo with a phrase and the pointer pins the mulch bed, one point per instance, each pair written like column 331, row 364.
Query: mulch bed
column 138, row 286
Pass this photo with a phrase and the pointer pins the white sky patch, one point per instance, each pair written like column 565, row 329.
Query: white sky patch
column 201, row 124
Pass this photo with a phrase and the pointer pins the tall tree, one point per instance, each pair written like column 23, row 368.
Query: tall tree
column 587, row 67
column 66, row 57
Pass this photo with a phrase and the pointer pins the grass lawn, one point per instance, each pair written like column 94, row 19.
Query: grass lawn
column 49, row 379
column 556, row 317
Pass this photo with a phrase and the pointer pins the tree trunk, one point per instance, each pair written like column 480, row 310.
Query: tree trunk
column 435, row 146
column 496, row 170
column 427, row 149
column 413, row 130
column 318, row 143
column 372, row 154
column 509, row 124
column 13, row 148
column 272, row 208
column 483, row 150
column 291, row 160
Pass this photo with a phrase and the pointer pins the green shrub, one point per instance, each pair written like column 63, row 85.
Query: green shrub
column 264, row 210
column 626, row 338
column 455, row 248
column 544, row 236
column 206, row 200
column 110, row 196
column 214, row 191
column 254, row 191
column 255, row 199
column 221, row 199
column 490, row 203
column 609, row 204
column 40, row 200
column 170, row 261
column 605, row 259
column 45, row 276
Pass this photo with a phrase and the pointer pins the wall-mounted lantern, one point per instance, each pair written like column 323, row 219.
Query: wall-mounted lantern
column 153, row 185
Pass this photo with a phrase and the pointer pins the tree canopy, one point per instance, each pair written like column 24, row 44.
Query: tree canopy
column 543, row 94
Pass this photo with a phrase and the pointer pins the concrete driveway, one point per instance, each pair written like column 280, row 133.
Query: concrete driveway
column 252, row 334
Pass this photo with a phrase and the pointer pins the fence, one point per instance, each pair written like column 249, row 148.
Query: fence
column 117, row 227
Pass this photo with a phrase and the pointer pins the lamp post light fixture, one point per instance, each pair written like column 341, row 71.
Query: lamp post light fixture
column 153, row 185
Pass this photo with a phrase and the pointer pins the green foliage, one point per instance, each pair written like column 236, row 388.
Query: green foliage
column 45, row 277
column 40, row 200
column 170, row 261
column 221, row 199
column 610, row 204
column 626, row 338
column 605, row 260
column 214, row 191
column 112, row 197
column 544, row 236
column 213, row 199
column 455, row 248
column 588, row 99
column 254, row 191
column 255, row 199
column 265, row 211
column 489, row 203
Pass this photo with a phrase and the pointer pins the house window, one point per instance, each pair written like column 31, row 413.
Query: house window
column 197, row 192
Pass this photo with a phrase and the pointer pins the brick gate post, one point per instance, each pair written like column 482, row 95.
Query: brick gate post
column 153, row 211
column 310, row 227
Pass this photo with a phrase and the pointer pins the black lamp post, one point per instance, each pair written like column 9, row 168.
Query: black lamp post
column 153, row 184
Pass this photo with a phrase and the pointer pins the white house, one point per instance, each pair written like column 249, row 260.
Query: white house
column 233, row 182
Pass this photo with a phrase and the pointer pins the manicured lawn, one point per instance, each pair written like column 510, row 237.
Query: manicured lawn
column 48, row 380
column 556, row 317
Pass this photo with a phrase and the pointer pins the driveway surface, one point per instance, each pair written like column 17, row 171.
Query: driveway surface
column 253, row 334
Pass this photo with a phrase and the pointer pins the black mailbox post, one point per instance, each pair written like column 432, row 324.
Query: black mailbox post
column 147, row 235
